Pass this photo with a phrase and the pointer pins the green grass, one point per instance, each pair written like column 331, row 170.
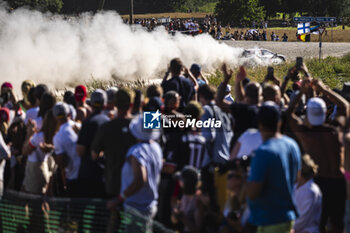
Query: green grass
column 332, row 71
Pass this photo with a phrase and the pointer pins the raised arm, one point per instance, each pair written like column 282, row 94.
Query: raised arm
column 204, row 78
column 220, row 101
column 189, row 75
column 342, row 104
column 294, row 121
column 239, row 90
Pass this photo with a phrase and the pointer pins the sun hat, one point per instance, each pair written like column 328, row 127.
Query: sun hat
column 316, row 111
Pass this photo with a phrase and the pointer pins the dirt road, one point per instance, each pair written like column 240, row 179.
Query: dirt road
column 295, row 49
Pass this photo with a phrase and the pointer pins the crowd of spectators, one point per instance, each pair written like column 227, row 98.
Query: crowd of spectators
column 209, row 25
column 275, row 163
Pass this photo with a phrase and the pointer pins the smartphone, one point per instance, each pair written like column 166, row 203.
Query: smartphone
column 270, row 71
column 299, row 62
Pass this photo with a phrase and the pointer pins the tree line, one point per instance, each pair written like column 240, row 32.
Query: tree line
column 238, row 11
column 227, row 11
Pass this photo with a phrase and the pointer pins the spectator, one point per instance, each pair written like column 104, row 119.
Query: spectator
column 141, row 175
column 245, row 108
column 284, row 37
column 32, row 112
column 246, row 144
column 178, row 83
column 69, row 98
column 65, row 153
column 273, row 36
column 8, row 97
column 38, row 146
column 173, row 136
column 90, row 172
column 154, row 103
column 193, row 205
column 308, row 199
column 83, row 110
column 270, row 195
column 114, row 140
column 25, row 87
column 193, row 142
column 218, row 144
column 4, row 121
column 328, row 155
column 111, row 110
column 196, row 71
column 235, row 210
column 46, row 103
column 272, row 93
column 217, row 139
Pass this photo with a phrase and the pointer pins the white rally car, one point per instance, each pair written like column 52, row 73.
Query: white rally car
column 262, row 56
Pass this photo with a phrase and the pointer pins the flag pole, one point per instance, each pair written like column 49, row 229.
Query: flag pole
column 131, row 11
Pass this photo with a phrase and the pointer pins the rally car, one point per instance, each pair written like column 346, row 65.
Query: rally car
column 263, row 56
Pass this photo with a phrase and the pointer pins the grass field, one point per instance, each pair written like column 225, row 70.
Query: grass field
column 332, row 71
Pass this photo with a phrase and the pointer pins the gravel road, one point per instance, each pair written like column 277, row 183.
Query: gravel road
column 296, row 49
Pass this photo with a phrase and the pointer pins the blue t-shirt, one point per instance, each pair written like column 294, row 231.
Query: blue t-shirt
column 276, row 164
column 150, row 156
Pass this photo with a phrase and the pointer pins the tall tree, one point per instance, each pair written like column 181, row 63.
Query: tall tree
column 271, row 6
column 42, row 5
column 236, row 11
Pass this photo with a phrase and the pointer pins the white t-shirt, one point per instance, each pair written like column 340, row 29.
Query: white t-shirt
column 308, row 200
column 65, row 142
column 31, row 114
column 250, row 140
column 37, row 155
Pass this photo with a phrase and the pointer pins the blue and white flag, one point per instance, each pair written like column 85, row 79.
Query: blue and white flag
column 314, row 30
column 303, row 28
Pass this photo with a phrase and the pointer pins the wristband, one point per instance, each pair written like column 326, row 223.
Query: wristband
column 347, row 176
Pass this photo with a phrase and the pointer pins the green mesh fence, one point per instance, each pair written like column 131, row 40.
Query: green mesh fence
column 21, row 212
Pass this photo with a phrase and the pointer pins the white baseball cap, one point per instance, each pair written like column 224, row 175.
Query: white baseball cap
column 316, row 111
